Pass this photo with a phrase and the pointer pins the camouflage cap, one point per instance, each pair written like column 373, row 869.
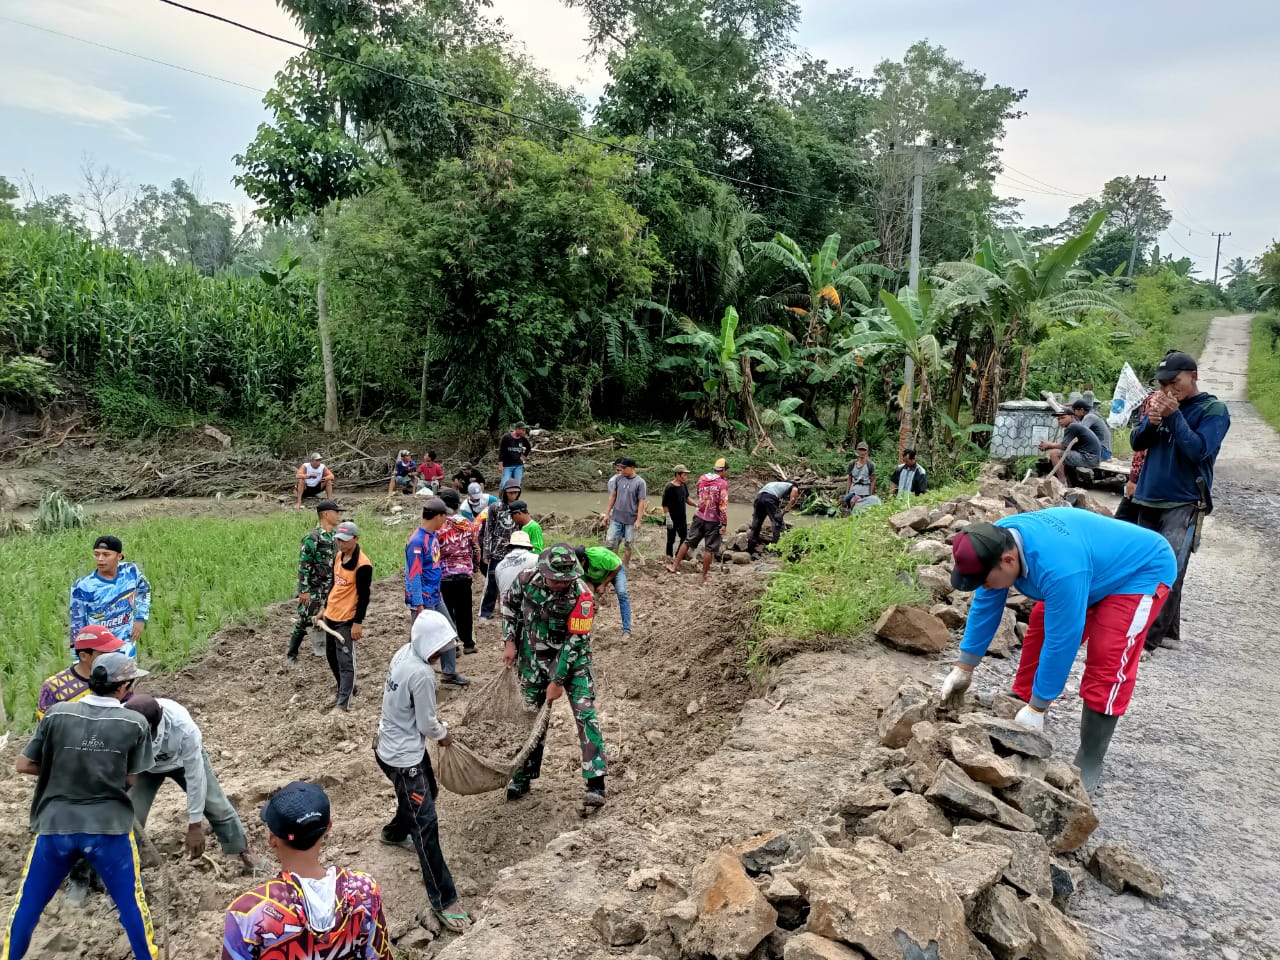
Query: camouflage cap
column 559, row 562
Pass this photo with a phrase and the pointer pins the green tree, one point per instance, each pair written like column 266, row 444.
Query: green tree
column 1109, row 253
column 8, row 193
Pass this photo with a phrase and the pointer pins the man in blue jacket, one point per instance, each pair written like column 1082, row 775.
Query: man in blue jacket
column 1096, row 580
column 1181, row 433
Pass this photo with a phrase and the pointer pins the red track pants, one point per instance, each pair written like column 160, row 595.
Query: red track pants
column 1113, row 632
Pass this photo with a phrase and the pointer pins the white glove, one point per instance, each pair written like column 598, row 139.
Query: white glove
column 1029, row 716
column 670, row 523
column 955, row 685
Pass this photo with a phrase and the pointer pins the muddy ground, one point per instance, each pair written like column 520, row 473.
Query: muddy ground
column 668, row 698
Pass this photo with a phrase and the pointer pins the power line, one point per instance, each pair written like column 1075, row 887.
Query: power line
column 130, row 53
column 1198, row 256
column 1043, row 183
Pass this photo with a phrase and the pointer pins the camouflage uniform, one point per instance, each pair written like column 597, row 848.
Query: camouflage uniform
column 315, row 577
column 552, row 634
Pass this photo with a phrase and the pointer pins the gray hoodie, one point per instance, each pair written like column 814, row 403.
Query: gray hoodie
column 409, row 706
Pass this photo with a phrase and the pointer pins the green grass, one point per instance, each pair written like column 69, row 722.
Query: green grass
column 1189, row 330
column 1264, row 368
column 840, row 576
column 205, row 573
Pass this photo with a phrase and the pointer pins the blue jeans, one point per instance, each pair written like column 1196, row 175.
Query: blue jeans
column 515, row 473
column 624, row 598
column 114, row 857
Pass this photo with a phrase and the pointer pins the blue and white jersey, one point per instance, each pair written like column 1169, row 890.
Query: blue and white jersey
column 114, row 604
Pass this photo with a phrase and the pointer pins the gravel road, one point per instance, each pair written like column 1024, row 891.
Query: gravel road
column 1193, row 774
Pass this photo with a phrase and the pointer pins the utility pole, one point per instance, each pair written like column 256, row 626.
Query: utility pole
column 1218, row 254
column 1137, row 222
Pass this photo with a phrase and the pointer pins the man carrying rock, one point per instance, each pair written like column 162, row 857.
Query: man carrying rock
column 408, row 721
column 546, row 622
column 1181, row 433
column 315, row 577
column 1096, row 581
column 709, row 520
column 768, row 503
column 179, row 755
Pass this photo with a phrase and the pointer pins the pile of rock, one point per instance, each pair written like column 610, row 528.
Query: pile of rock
column 917, row 630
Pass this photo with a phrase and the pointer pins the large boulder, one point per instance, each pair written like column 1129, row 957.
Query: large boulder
column 1000, row 922
column 1011, row 736
column 911, row 704
column 1055, row 935
column 908, row 521
column 1030, row 869
column 935, row 578
column 874, row 900
column 810, row 946
column 1066, row 822
column 934, row 551
column 862, row 802
column 969, row 868
column 912, row 629
column 908, row 813
column 955, row 790
column 952, row 617
column 733, row 916
column 618, row 921
column 1120, row 869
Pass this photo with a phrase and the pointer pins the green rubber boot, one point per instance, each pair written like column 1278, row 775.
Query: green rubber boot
column 1095, row 737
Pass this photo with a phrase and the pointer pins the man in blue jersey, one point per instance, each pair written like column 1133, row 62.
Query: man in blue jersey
column 116, row 596
column 1095, row 580
column 423, row 572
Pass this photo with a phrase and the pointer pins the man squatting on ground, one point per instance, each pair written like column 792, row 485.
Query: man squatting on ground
column 345, row 608
column 116, row 596
column 306, row 911
column 1095, row 580
column 546, row 622
column 315, row 577
column 178, row 754
column 86, row 755
column 408, row 721
column 314, row 480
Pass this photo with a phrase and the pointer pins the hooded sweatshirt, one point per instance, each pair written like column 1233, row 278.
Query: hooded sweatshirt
column 1178, row 450
column 409, row 717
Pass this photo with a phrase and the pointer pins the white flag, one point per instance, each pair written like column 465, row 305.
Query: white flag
column 1128, row 397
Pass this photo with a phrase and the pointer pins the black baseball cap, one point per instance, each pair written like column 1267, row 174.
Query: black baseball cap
column 324, row 505
column 434, row 507
column 298, row 813
column 518, row 506
column 1174, row 363
column 452, row 499
column 976, row 550
column 108, row 542
column 625, row 462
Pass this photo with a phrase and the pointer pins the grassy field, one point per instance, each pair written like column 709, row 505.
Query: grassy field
column 205, row 573
column 1189, row 330
column 1264, row 368
column 844, row 574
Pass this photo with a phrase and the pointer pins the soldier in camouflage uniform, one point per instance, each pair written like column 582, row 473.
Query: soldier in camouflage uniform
column 315, row 576
column 546, row 621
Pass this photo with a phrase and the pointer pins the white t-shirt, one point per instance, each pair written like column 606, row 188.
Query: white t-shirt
column 312, row 476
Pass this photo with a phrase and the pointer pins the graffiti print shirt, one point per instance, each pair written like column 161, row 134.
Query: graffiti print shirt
column 269, row 922
column 114, row 604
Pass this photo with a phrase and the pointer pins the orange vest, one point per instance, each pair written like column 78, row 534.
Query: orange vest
column 341, row 605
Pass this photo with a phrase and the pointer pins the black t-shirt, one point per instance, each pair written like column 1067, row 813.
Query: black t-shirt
column 466, row 477
column 1086, row 440
column 512, row 449
column 675, row 498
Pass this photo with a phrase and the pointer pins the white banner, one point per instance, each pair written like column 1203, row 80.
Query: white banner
column 1128, row 397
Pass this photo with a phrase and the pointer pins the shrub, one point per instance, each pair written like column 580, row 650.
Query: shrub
column 26, row 381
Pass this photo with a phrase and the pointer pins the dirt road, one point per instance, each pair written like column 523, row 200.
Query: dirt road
column 1194, row 771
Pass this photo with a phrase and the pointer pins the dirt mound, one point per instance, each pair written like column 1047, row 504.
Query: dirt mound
column 667, row 698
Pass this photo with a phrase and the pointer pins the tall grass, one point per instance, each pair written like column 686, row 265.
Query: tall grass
column 1264, row 367
column 222, row 344
column 837, row 578
column 205, row 573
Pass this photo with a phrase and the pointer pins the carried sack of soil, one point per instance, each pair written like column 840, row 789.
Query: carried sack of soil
column 499, row 730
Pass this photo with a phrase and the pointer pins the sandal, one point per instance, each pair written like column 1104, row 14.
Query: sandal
column 456, row 921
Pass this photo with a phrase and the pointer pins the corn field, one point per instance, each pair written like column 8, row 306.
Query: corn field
column 224, row 344
column 205, row 573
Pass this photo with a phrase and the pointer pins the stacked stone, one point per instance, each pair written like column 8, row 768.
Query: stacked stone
column 1020, row 426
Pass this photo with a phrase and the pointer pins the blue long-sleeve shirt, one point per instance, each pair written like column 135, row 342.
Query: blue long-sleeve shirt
column 1071, row 559
column 422, row 569
column 114, row 604
column 1180, row 449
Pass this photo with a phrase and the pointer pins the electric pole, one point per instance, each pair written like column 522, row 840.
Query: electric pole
column 1137, row 218
column 1218, row 254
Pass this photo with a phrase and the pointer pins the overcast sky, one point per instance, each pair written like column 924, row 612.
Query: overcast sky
column 1135, row 87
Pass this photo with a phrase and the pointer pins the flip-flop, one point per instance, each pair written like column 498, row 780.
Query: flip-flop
column 455, row 922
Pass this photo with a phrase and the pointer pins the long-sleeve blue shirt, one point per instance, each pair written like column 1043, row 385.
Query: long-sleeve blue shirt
column 1180, row 449
column 1071, row 559
column 422, row 570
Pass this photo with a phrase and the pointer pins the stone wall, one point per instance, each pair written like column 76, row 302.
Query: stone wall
column 1021, row 425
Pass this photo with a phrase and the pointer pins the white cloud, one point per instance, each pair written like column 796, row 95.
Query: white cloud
column 31, row 88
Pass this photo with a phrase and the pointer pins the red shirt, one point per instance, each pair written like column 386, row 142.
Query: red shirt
column 430, row 471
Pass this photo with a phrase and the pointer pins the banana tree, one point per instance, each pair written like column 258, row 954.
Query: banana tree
column 909, row 328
